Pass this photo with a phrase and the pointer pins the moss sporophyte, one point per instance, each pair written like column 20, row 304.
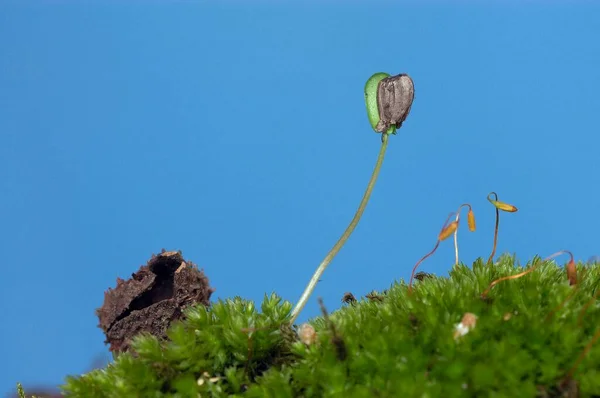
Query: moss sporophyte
column 499, row 206
column 388, row 100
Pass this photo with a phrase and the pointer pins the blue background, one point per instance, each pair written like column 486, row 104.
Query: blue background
column 237, row 133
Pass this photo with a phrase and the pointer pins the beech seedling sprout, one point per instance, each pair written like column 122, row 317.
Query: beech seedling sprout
column 499, row 206
column 388, row 100
column 444, row 234
column 470, row 222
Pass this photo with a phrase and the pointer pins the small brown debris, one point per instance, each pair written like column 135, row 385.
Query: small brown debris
column 373, row 296
column 469, row 320
column 307, row 334
column 467, row 323
column 181, row 267
column 422, row 275
column 348, row 298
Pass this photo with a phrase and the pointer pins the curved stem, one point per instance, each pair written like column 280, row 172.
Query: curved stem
column 338, row 245
column 412, row 275
column 491, row 258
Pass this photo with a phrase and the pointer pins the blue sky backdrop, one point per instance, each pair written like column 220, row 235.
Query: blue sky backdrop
column 237, row 133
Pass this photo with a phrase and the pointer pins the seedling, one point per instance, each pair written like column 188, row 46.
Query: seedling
column 444, row 234
column 499, row 206
column 531, row 269
column 207, row 349
column 470, row 222
column 388, row 100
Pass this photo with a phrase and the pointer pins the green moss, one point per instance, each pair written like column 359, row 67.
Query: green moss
column 401, row 346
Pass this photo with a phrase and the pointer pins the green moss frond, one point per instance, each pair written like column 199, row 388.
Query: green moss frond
column 399, row 344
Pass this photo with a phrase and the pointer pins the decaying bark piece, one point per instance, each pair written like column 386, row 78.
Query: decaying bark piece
column 151, row 299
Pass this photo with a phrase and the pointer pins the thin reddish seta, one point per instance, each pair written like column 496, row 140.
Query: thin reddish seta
column 447, row 230
column 499, row 206
column 531, row 269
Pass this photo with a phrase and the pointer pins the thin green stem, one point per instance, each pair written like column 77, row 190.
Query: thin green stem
column 338, row 245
